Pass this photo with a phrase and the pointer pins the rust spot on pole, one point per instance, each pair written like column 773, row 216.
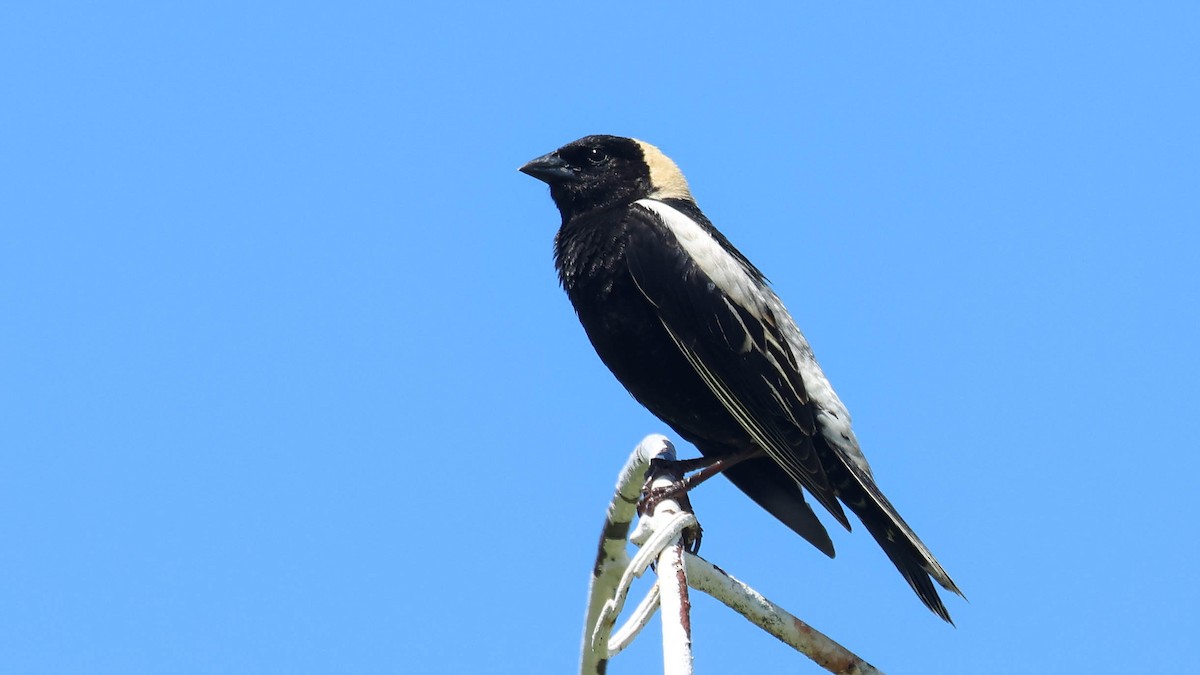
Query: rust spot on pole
column 685, row 604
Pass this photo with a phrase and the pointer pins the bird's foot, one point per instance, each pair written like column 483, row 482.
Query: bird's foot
column 670, row 486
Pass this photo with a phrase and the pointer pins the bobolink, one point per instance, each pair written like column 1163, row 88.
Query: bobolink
column 690, row 327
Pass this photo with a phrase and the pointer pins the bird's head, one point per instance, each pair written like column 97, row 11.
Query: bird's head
column 598, row 172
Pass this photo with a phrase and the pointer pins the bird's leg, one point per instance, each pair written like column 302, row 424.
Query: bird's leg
column 703, row 468
column 706, row 468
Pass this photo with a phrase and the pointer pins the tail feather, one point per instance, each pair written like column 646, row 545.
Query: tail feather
column 903, row 547
column 913, row 561
column 772, row 489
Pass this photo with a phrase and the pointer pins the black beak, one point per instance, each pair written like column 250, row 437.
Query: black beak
column 549, row 169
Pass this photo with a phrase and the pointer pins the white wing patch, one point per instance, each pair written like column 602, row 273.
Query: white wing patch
column 724, row 270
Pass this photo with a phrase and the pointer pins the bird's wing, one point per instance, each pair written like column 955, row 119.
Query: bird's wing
column 741, row 340
column 722, row 320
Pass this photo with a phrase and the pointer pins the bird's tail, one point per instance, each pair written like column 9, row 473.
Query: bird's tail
column 907, row 552
column 761, row 480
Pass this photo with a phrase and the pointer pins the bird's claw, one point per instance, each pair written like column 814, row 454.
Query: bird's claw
column 676, row 490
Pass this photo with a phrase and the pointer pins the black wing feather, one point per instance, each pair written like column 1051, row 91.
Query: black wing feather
column 746, row 360
column 732, row 355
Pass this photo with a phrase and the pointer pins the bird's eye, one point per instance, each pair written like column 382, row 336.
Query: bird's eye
column 596, row 156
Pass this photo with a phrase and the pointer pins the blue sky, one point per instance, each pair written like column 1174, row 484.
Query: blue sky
column 287, row 384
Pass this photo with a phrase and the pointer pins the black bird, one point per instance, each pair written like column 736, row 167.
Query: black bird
column 696, row 335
